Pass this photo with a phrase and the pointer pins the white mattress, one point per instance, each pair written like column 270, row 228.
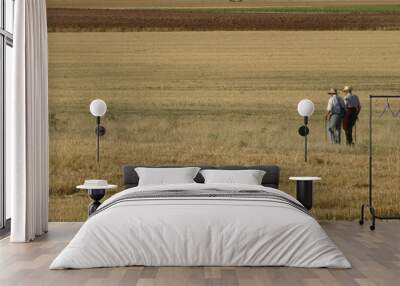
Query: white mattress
column 200, row 232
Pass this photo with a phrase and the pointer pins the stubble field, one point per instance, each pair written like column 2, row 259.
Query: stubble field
column 221, row 98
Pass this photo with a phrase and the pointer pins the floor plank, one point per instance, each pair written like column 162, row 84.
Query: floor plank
column 375, row 257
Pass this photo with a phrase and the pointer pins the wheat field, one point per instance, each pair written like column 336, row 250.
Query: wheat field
column 221, row 98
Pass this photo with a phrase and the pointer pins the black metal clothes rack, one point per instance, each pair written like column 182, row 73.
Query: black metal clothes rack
column 370, row 205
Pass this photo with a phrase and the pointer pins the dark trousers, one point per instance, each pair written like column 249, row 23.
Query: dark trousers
column 349, row 121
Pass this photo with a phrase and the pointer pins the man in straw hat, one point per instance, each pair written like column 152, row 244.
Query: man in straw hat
column 334, row 116
column 353, row 108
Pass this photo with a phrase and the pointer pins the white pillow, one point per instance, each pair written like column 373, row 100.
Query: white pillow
column 248, row 177
column 165, row 176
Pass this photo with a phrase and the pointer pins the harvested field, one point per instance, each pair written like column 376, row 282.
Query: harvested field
column 221, row 98
column 208, row 3
column 161, row 20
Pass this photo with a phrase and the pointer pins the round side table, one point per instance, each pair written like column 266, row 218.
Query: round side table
column 304, row 190
column 96, row 193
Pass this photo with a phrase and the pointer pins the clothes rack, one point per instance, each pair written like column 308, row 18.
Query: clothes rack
column 370, row 205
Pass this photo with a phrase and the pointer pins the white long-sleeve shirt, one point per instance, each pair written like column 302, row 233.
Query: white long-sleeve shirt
column 335, row 104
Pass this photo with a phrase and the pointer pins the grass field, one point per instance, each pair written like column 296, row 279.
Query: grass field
column 221, row 98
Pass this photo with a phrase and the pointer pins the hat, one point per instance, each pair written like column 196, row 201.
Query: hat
column 347, row 88
column 332, row 91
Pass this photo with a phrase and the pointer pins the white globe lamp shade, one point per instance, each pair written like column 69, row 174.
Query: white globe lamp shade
column 98, row 107
column 305, row 108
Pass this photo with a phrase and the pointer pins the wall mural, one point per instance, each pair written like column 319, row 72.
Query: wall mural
column 218, row 82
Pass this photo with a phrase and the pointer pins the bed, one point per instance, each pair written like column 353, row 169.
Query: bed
column 198, row 224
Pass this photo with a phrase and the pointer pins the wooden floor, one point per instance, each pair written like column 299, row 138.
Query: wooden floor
column 375, row 257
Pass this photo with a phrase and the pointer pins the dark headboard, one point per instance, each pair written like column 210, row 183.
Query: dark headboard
column 271, row 177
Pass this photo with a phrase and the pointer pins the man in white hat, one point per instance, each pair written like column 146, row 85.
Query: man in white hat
column 353, row 108
column 334, row 116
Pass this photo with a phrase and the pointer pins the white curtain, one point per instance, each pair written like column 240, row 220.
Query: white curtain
column 27, row 124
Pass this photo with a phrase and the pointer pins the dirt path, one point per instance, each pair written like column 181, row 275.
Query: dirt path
column 136, row 20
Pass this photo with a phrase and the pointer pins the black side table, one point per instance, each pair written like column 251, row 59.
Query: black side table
column 96, row 193
column 304, row 190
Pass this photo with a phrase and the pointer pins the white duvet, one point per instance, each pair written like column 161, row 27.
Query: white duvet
column 200, row 231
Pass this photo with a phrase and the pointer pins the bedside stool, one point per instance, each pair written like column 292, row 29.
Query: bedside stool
column 96, row 190
column 304, row 190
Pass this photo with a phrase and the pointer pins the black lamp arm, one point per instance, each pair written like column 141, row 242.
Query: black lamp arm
column 100, row 131
column 305, row 138
column 305, row 120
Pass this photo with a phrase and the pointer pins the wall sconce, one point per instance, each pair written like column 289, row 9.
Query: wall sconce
column 98, row 108
column 305, row 108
